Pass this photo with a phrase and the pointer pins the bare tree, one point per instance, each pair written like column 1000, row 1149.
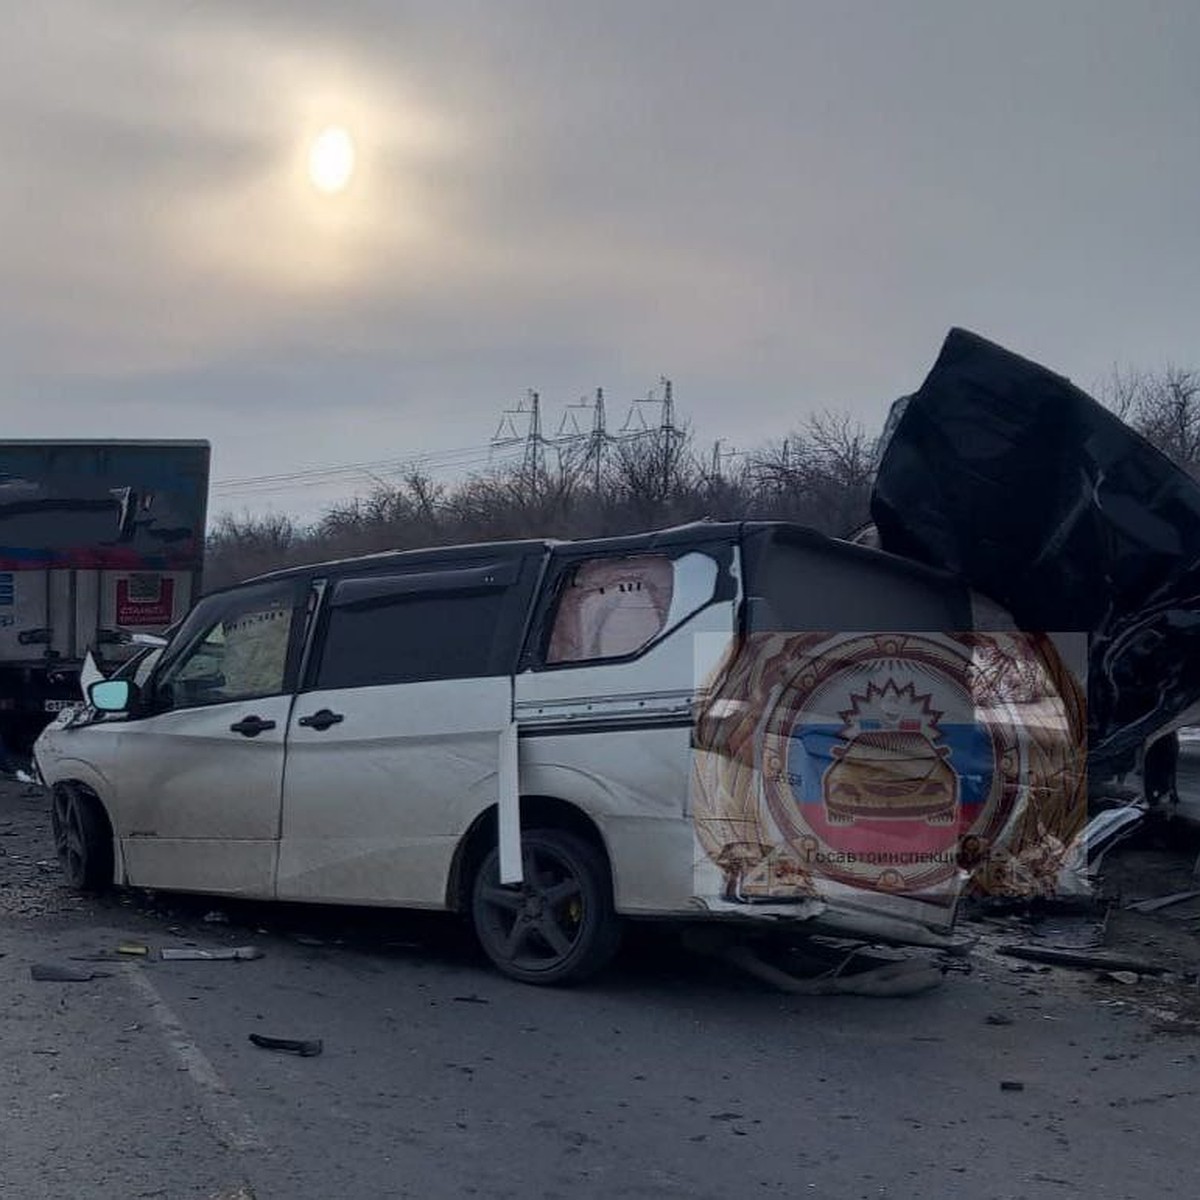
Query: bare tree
column 1164, row 407
column 820, row 476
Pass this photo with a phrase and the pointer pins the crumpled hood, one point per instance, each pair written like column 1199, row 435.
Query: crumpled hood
column 1005, row 473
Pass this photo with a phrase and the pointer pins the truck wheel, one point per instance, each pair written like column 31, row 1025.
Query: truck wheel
column 82, row 840
column 559, row 925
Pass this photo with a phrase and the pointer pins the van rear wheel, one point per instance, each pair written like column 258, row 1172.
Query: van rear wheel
column 559, row 925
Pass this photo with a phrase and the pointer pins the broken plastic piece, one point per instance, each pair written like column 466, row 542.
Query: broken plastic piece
column 135, row 949
column 306, row 1049
column 197, row 954
column 1122, row 976
column 1097, row 837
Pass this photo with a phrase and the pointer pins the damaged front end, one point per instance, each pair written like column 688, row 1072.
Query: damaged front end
column 1010, row 477
column 1013, row 479
column 881, row 776
column 877, row 778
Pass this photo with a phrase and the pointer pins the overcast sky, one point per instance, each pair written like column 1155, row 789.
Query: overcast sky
column 781, row 205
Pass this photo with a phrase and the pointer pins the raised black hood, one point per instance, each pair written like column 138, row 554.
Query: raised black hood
column 1040, row 498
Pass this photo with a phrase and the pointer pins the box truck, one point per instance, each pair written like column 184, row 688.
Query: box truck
column 100, row 541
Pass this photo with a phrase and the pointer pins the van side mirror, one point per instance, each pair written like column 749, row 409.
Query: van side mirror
column 112, row 695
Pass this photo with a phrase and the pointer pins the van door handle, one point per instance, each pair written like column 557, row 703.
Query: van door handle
column 251, row 726
column 321, row 719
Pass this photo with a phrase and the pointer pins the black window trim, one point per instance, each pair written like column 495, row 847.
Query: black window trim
column 518, row 577
column 362, row 589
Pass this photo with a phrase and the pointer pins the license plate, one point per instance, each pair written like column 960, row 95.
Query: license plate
column 57, row 705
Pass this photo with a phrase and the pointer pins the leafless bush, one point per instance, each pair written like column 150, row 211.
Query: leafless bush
column 1164, row 407
column 819, row 476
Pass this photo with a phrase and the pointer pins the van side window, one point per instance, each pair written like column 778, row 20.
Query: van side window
column 237, row 650
column 615, row 607
column 407, row 638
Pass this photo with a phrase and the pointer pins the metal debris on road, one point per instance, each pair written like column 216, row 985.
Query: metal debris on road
column 304, row 1048
column 1072, row 958
column 903, row 977
column 197, row 954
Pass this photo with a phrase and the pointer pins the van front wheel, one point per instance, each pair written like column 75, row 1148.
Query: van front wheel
column 82, row 840
column 559, row 924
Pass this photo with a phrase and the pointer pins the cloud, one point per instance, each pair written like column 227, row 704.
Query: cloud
column 783, row 207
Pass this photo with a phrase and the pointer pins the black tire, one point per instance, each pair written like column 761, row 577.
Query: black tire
column 82, row 840
column 557, row 927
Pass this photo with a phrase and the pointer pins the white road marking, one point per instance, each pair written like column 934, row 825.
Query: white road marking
column 225, row 1114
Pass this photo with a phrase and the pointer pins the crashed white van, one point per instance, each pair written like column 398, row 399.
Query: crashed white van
column 721, row 721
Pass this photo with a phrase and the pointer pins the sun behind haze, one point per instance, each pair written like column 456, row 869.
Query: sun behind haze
column 235, row 220
column 331, row 160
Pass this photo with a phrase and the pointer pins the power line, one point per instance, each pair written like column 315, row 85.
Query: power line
column 311, row 474
column 506, row 443
column 345, row 476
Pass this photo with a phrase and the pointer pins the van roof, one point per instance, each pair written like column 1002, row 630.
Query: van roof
column 693, row 532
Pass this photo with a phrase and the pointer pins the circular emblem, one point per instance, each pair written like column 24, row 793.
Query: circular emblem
column 896, row 763
column 877, row 752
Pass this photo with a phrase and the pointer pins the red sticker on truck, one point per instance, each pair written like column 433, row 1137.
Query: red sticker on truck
column 145, row 600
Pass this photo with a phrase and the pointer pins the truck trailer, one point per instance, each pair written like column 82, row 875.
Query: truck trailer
column 99, row 541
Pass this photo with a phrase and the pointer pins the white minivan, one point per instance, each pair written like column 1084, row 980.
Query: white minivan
column 735, row 721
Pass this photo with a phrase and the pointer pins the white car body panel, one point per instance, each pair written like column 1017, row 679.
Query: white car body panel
column 374, row 806
column 197, row 804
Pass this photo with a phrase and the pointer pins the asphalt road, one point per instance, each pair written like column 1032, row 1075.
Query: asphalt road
column 670, row 1077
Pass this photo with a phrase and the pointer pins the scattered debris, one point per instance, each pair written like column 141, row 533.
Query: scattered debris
column 1148, row 906
column 306, row 1049
column 1122, row 976
column 60, row 973
column 1072, row 958
column 133, row 949
column 1098, row 836
column 471, row 999
column 998, row 1019
column 198, row 954
column 1011, row 1085
column 216, row 917
column 1073, row 933
column 904, row 977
